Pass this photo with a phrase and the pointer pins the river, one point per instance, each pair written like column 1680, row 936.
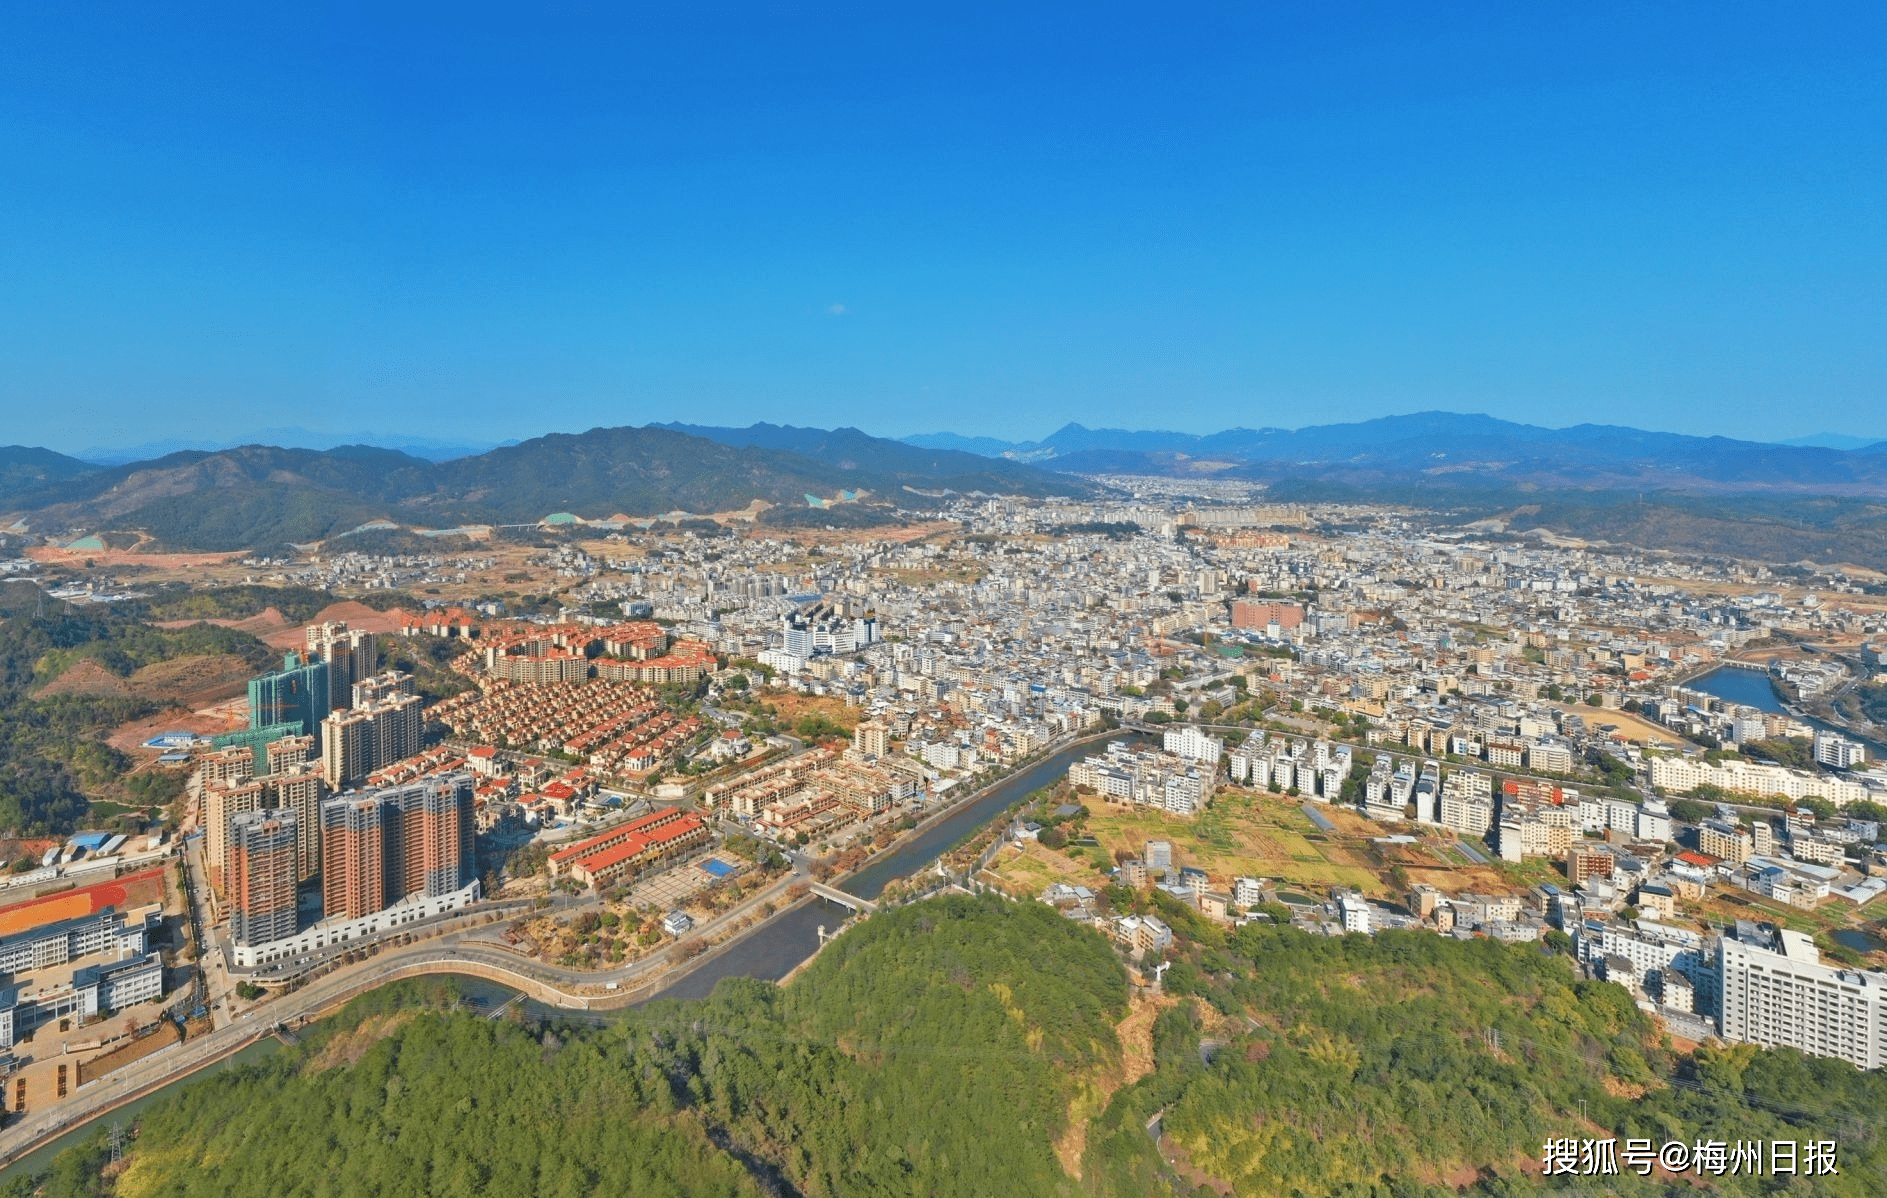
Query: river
column 770, row 952
column 773, row 951
column 1752, row 688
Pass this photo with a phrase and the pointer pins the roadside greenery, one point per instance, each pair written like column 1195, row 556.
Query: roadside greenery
column 951, row 1047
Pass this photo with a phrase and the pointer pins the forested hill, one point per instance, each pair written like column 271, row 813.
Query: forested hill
column 23, row 467
column 258, row 496
column 53, row 755
column 971, row 1046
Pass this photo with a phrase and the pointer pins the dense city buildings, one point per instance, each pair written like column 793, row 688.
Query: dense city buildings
column 1454, row 698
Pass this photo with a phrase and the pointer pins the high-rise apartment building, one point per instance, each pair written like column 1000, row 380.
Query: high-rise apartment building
column 297, row 694
column 353, row 857
column 357, row 742
column 282, row 755
column 351, row 654
column 1776, row 992
column 223, row 802
column 299, row 788
column 262, row 876
column 397, row 842
column 346, row 748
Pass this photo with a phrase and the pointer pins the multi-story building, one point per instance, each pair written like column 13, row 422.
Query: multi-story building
column 376, row 687
column 350, row 655
column 1146, row 777
column 106, row 930
column 1681, row 775
column 631, row 847
column 1725, row 840
column 1193, row 744
column 262, row 875
column 361, row 740
column 1467, row 814
column 1587, row 859
column 398, row 842
column 1777, row 993
column 300, row 788
column 1838, row 752
column 1261, row 616
column 298, row 694
column 222, row 803
column 353, row 856
column 872, row 739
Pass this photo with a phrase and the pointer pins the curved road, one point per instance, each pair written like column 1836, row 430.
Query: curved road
column 454, row 952
column 461, row 951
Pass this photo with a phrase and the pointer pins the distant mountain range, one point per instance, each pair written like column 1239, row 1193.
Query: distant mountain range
column 433, row 449
column 256, row 496
column 1608, row 482
column 1465, row 451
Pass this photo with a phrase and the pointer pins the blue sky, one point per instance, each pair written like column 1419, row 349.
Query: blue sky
column 485, row 222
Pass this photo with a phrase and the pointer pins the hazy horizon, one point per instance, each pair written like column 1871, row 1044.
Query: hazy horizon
column 306, row 438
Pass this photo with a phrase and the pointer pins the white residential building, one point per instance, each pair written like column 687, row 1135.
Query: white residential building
column 1787, row 997
column 1194, row 745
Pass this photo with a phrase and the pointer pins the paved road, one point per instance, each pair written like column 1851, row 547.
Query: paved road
column 458, row 951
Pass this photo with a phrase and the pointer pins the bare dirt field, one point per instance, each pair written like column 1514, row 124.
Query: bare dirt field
column 189, row 682
column 1630, row 726
column 130, row 738
column 88, row 678
column 349, row 612
column 193, row 682
column 105, row 558
column 268, row 620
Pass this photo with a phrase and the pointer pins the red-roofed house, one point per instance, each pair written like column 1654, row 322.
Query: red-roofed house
column 631, row 847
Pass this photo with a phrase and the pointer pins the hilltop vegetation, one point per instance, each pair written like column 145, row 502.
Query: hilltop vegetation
column 952, row 1046
column 52, row 749
column 258, row 496
column 929, row 1053
column 1406, row 1063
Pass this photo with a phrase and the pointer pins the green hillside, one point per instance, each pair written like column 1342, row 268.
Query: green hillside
column 52, row 748
column 258, row 496
column 950, row 1047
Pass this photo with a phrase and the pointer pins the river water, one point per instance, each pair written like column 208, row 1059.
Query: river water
column 769, row 953
column 1752, row 688
column 772, row 952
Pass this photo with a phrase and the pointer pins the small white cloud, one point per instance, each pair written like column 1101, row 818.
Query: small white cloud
column 835, row 310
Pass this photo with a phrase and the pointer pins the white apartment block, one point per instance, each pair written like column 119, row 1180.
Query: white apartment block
column 1789, row 998
column 1470, row 816
column 1194, row 745
column 1838, row 752
column 1680, row 775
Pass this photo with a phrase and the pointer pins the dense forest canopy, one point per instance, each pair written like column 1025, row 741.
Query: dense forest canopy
column 969, row 1046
